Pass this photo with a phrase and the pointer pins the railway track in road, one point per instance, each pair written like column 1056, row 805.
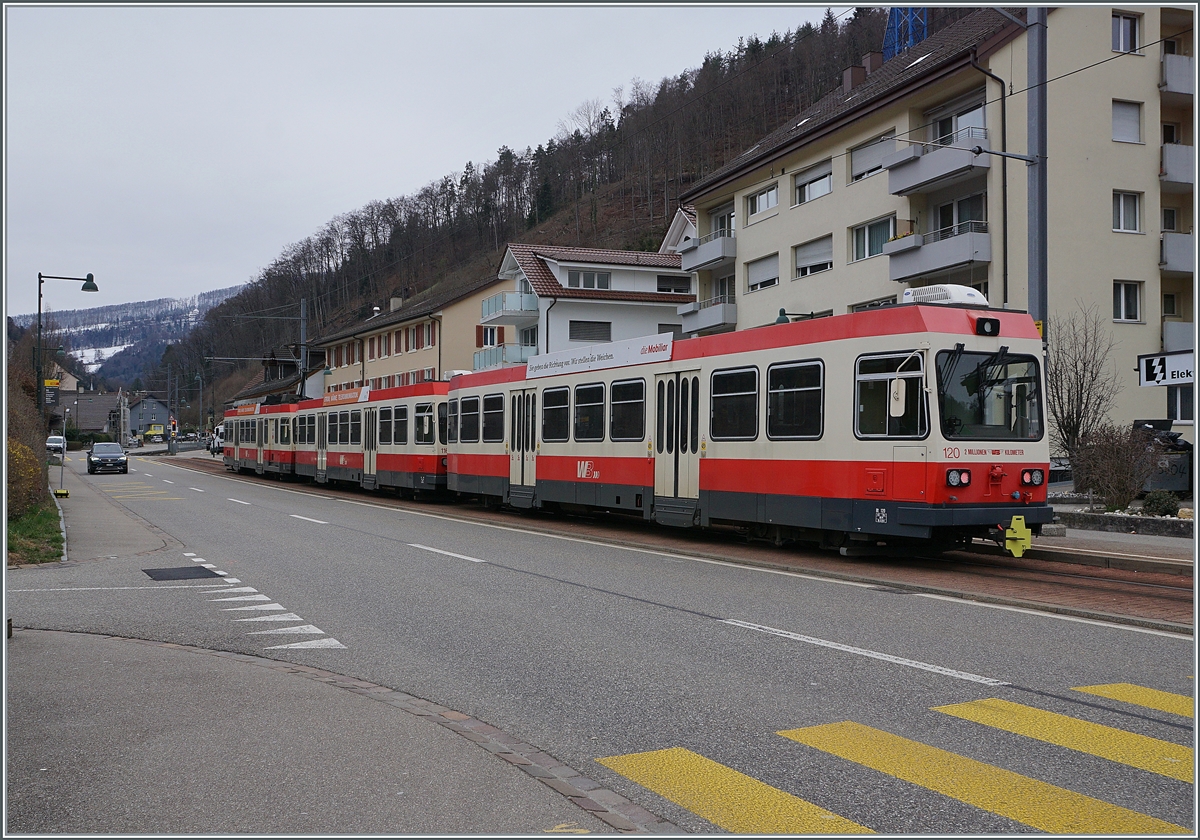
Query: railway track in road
column 1145, row 590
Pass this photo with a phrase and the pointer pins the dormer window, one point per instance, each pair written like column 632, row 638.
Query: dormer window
column 589, row 279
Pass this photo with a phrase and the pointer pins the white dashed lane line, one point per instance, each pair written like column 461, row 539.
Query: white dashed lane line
column 447, row 553
column 306, row 519
column 167, row 481
column 197, row 489
column 239, row 501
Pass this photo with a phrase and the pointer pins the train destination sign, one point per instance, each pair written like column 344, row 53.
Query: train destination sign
column 1166, row 368
column 632, row 351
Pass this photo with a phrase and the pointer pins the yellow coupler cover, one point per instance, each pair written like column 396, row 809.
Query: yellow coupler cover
column 1018, row 538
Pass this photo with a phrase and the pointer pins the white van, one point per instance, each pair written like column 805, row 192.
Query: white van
column 217, row 444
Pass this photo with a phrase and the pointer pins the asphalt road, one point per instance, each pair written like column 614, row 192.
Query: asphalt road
column 668, row 678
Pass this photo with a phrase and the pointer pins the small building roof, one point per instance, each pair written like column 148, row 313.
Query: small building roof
column 531, row 259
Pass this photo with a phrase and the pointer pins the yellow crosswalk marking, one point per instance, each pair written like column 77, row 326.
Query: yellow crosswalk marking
column 1141, row 751
column 1037, row 804
column 1150, row 698
column 725, row 797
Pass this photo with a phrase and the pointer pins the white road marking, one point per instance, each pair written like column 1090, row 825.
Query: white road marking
column 229, row 579
column 115, row 588
column 207, row 565
column 197, row 489
column 304, row 628
column 167, row 481
column 315, row 643
column 253, row 607
column 243, row 598
column 284, row 617
column 240, row 589
column 447, row 553
column 198, row 560
column 886, row 657
column 1168, row 634
column 239, row 501
column 189, row 554
column 306, row 519
column 147, row 475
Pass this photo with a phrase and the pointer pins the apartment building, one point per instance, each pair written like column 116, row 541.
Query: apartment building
column 418, row 340
column 887, row 183
column 557, row 298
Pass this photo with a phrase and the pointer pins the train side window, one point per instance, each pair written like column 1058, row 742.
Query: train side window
column 589, row 412
column 795, row 394
column 355, row 427
column 442, row 423
column 556, row 415
column 628, row 419
column 470, row 420
column 385, row 426
column 285, row 432
column 661, row 415
column 452, row 421
column 400, row 426
column 333, row 427
column 874, row 378
column 493, row 418
column 734, row 404
column 695, row 414
column 344, row 428
column 423, row 431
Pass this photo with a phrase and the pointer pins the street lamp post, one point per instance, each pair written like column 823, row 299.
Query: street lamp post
column 200, row 424
column 89, row 285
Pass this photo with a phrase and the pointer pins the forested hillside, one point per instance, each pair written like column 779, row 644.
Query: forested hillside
column 610, row 178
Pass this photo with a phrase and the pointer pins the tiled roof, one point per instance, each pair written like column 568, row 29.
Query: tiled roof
column 689, row 210
column 531, row 259
column 426, row 303
column 926, row 58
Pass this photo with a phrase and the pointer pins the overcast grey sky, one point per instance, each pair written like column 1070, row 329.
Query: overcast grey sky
column 171, row 150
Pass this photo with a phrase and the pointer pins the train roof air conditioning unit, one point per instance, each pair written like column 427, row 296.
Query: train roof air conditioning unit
column 945, row 293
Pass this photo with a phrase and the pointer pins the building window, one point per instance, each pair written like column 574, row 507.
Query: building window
column 1170, row 306
column 676, row 330
column 1125, row 212
column 725, row 288
column 1179, row 404
column 1125, row 301
column 490, row 337
column 814, row 182
column 762, row 274
column 588, row 279
column 385, row 344
column 529, row 337
column 721, row 221
column 674, row 284
column 965, row 215
column 813, row 257
column 1169, row 219
column 589, row 331
column 762, row 200
column 1127, row 122
column 867, row 159
column 960, row 123
column 1171, row 133
column 1125, row 33
column 869, row 238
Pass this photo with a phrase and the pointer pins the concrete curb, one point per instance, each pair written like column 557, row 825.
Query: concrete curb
column 1151, row 525
column 62, row 527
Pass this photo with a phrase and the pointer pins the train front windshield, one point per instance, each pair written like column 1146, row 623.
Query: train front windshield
column 989, row 396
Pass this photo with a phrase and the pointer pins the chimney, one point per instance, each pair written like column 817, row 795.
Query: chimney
column 374, row 311
column 395, row 303
column 852, row 77
column 872, row 61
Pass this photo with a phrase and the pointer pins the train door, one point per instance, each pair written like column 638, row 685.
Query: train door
column 522, row 461
column 908, row 473
column 370, row 447
column 322, row 444
column 677, row 447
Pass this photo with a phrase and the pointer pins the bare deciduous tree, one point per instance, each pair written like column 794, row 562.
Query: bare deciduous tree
column 1081, row 382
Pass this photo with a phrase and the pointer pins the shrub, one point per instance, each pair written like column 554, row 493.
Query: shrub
column 1161, row 503
column 27, row 485
column 1115, row 463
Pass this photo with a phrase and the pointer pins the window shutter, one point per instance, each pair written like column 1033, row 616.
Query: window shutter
column 822, row 169
column 478, row 335
column 499, row 335
column 870, row 156
column 1127, row 121
column 814, row 253
column 433, row 333
column 761, row 270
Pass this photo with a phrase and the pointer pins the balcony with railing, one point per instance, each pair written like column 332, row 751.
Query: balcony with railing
column 502, row 354
column 1178, row 83
column 1176, row 254
column 1177, row 172
column 924, row 167
column 509, row 308
column 717, row 314
column 918, row 254
column 715, row 250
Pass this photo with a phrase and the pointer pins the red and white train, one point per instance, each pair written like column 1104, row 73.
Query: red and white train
column 911, row 423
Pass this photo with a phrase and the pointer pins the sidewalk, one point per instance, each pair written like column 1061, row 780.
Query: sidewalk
column 110, row 735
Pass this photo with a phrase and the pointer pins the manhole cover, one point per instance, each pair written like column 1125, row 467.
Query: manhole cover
column 182, row 573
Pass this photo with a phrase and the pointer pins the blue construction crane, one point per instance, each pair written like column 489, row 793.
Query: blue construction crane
column 906, row 26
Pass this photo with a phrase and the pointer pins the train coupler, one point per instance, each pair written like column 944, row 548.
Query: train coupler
column 1017, row 537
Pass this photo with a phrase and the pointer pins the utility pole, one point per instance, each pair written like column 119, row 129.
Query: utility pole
column 1038, row 264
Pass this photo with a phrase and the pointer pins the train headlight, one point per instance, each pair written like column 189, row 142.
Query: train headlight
column 1032, row 477
column 958, row 478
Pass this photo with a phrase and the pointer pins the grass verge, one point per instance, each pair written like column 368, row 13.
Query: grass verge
column 35, row 537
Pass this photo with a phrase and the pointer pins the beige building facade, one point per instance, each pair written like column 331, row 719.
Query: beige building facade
column 879, row 188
